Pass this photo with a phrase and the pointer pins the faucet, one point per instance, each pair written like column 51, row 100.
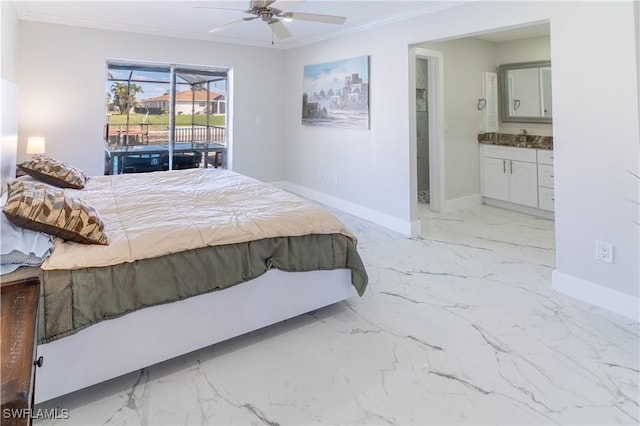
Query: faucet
column 522, row 136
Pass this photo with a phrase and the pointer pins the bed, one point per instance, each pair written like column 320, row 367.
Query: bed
column 194, row 257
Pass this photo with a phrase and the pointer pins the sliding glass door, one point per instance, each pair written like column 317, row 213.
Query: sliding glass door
column 200, row 116
column 164, row 117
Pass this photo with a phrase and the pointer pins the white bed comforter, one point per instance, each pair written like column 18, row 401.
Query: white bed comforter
column 153, row 214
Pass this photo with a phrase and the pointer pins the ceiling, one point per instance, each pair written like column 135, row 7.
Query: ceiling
column 185, row 19
column 188, row 19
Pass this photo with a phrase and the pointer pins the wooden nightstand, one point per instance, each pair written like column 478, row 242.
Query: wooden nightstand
column 19, row 328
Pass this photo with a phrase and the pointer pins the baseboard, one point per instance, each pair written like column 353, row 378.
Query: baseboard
column 461, row 203
column 603, row 297
column 519, row 208
column 404, row 227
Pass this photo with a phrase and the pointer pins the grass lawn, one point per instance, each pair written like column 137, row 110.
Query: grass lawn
column 162, row 121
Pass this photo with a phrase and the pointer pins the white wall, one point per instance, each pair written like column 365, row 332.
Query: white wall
column 62, row 76
column 8, row 92
column 523, row 50
column 596, row 142
column 8, row 131
column 9, row 40
column 366, row 167
column 595, row 125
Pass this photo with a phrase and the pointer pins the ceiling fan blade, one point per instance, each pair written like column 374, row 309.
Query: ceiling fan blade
column 216, row 29
column 285, row 4
column 325, row 19
column 279, row 29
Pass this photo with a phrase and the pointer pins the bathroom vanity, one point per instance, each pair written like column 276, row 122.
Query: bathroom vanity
column 517, row 172
column 517, row 169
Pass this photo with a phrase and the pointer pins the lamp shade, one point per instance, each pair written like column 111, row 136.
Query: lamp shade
column 35, row 145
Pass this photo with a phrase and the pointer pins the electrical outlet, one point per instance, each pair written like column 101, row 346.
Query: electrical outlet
column 604, row 252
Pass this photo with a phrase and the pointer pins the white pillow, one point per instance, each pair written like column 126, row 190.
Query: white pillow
column 20, row 246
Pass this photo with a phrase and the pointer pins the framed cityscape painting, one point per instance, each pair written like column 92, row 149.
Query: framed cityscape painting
column 336, row 94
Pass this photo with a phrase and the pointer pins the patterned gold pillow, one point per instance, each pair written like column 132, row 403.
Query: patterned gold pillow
column 39, row 207
column 54, row 172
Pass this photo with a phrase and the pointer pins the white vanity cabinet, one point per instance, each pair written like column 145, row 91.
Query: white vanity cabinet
column 545, row 180
column 510, row 174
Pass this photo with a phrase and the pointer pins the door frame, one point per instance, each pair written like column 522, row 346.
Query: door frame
column 435, row 108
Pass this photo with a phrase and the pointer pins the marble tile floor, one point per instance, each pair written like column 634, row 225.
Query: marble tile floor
column 460, row 326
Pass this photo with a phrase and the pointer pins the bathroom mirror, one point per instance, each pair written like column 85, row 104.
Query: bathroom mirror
column 525, row 92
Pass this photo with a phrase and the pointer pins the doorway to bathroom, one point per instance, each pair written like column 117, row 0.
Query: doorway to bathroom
column 450, row 157
column 427, row 122
column 422, row 129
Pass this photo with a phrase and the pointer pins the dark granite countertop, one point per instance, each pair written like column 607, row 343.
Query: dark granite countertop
column 509, row 139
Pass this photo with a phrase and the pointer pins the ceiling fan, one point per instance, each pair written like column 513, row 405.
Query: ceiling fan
column 270, row 11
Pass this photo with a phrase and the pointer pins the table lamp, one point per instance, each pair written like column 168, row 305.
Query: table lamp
column 35, row 145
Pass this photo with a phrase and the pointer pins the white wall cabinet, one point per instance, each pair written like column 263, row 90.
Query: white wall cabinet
column 510, row 174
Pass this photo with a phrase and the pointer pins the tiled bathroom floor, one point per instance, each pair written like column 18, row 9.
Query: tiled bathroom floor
column 460, row 326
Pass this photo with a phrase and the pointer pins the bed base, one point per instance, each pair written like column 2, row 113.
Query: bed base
column 115, row 347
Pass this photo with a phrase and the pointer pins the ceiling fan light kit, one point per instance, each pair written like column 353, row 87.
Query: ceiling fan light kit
column 269, row 11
